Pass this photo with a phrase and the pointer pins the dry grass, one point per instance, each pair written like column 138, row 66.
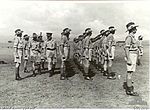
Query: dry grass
column 44, row 92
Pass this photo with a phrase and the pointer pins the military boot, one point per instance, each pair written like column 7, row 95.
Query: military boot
column 130, row 91
column 17, row 74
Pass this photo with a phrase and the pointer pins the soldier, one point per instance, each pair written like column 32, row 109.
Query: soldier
column 105, row 52
column 64, row 51
column 87, row 49
column 18, row 46
column 140, row 50
column 42, row 50
column 26, row 52
column 111, row 50
column 131, row 52
column 34, row 50
column 51, row 52
column 100, row 51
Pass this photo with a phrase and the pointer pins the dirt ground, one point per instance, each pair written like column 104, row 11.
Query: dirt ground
column 44, row 92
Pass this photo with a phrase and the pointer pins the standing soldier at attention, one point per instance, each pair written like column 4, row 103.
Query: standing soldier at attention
column 26, row 52
column 111, row 51
column 51, row 52
column 64, row 51
column 18, row 46
column 87, row 53
column 42, row 50
column 131, row 52
column 34, row 50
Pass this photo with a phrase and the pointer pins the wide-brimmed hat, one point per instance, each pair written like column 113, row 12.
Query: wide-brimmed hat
column 111, row 27
column 102, row 31
column 18, row 30
column 49, row 33
column 26, row 36
column 66, row 29
column 88, row 29
column 130, row 26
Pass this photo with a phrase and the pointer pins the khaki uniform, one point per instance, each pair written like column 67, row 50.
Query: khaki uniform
column 18, row 43
column 26, row 49
column 131, row 43
column 50, row 47
column 34, row 49
column 64, row 56
column 111, row 40
column 87, row 54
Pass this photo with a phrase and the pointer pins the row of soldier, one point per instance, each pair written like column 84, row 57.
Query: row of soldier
column 98, row 51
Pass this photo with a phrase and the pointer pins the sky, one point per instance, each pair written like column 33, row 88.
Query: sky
column 46, row 16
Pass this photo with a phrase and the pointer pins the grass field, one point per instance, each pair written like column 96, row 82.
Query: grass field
column 44, row 92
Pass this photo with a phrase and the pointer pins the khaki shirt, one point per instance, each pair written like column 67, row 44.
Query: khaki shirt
column 26, row 45
column 64, row 41
column 34, row 45
column 131, row 43
column 18, row 43
column 111, row 40
column 51, row 44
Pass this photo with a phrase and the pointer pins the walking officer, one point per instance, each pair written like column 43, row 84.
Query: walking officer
column 18, row 52
column 64, row 51
column 131, row 52
column 51, row 52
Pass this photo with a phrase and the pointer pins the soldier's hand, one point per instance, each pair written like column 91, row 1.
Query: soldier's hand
column 129, row 62
column 17, row 56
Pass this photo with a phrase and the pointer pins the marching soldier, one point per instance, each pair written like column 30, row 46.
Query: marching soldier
column 131, row 52
column 18, row 46
column 64, row 51
column 26, row 52
column 34, row 50
column 51, row 52
column 140, row 50
column 87, row 49
column 111, row 51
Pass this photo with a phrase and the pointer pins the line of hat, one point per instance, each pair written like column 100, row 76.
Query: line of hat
column 130, row 26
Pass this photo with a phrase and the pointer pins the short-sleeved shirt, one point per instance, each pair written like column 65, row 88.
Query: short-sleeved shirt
column 51, row 44
column 110, row 39
column 18, row 43
column 87, row 43
column 34, row 45
column 64, row 41
column 131, row 43
column 26, row 45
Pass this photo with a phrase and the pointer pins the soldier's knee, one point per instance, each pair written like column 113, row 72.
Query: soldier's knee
column 17, row 65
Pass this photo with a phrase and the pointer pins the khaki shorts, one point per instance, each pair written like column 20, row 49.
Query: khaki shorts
column 20, row 54
column 112, row 53
column 51, row 56
column 34, row 56
column 133, row 58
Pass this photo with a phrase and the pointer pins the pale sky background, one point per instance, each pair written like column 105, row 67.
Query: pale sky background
column 46, row 16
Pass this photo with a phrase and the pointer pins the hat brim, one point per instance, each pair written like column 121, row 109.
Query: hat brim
column 132, row 28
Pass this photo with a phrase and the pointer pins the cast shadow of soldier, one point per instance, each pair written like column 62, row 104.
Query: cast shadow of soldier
column 69, row 70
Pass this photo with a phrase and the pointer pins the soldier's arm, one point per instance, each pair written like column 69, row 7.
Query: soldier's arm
column 127, row 47
column 16, row 42
column 62, row 45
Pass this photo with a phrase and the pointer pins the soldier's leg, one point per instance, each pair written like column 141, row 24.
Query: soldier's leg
column 62, row 71
column 110, row 74
column 105, row 67
column 33, row 68
column 25, row 66
column 130, row 69
column 17, row 71
column 86, row 65
column 49, row 66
